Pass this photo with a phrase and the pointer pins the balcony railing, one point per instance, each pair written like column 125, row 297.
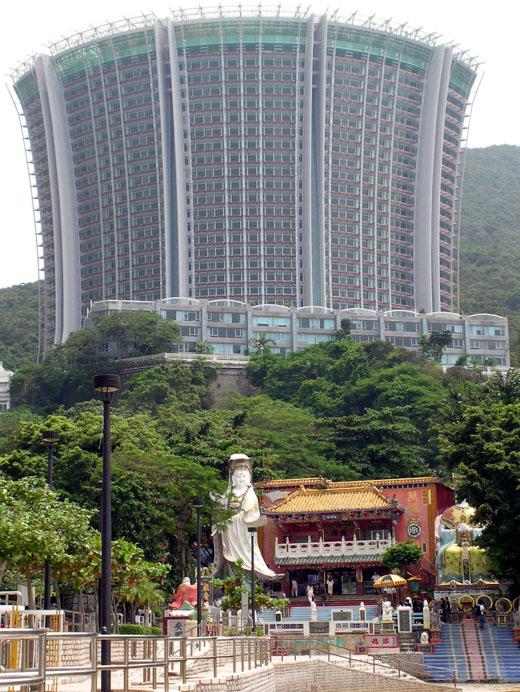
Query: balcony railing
column 341, row 548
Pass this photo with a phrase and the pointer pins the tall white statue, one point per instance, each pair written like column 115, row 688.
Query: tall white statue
column 234, row 541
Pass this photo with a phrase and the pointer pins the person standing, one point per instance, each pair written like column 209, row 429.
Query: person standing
column 310, row 593
column 443, row 609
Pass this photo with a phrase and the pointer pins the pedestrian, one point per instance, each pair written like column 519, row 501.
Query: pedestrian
column 443, row 609
column 310, row 593
column 324, row 599
column 481, row 616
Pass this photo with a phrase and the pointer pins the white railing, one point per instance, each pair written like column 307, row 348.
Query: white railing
column 341, row 548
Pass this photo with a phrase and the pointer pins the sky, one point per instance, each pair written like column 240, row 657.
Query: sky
column 489, row 31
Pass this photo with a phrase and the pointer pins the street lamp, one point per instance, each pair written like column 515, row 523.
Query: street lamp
column 107, row 385
column 50, row 437
column 198, row 505
column 253, row 528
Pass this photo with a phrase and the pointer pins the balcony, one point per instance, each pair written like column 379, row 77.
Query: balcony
column 351, row 549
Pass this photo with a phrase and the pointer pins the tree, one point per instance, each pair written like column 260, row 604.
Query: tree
column 234, row 586
column 479, row 439
column 37, row 527
column 433, row 344
column 65, row 376
column 261, row 342
column 19, row 317
column 344, row 331
column 399, row 556
column 377, row 444
column 203, row 347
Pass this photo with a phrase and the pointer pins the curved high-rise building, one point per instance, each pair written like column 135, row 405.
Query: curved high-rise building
column 275, row 159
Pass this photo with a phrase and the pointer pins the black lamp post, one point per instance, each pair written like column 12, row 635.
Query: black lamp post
column 198, row 505
column 252, row 530
column 107, row 385
column 50, row 437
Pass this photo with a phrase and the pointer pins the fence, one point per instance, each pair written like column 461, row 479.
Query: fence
column 22, row 659
column 29, row 658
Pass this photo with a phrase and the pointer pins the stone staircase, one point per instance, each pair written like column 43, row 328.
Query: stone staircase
column 476, row 655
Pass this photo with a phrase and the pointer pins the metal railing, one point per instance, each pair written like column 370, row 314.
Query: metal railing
column 22, row 659
column 29, row 658
column 286, row 647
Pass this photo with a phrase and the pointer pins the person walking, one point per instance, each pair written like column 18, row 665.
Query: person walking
column 481, row 616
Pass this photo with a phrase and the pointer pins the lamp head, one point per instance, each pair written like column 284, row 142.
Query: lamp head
column 50, row 436
column 107, row 384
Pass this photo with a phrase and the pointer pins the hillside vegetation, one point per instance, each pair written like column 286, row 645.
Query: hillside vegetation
column 19, row 325
column 490, row 237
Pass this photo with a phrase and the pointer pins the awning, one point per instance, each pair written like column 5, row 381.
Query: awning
column 389, row 580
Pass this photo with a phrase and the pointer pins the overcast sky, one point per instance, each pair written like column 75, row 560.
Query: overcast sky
column 487, row 30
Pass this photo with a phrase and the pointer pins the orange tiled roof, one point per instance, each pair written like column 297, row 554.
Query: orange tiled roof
column 363, row 496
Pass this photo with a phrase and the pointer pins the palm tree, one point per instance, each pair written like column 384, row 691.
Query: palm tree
column 142, row 593
column 261, row 342
column 202, row 347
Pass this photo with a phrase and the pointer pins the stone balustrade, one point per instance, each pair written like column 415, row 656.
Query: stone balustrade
column 341, row 548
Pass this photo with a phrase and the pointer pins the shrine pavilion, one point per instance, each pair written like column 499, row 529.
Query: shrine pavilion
column 332, row 535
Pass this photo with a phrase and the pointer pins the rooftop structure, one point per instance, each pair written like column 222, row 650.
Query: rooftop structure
column 5, row 376
column 230, row 327
column 256, row 155
column 324, row 530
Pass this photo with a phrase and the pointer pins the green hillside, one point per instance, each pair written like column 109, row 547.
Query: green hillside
column 19, row 325
column 490, row 236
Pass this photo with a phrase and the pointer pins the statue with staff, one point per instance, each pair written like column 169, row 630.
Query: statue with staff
column 233, row 541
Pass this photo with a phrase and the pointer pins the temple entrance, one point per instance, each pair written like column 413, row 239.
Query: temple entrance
column 301, row 578
column 343, row 582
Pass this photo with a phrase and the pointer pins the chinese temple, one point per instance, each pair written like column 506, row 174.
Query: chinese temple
column 331, row 536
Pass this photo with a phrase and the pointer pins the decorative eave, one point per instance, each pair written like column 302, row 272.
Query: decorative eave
column 318, row 482
column 361, row 501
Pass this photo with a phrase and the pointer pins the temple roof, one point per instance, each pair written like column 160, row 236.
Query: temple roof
column 320, row 481
column 293, row 482
column 362, row 496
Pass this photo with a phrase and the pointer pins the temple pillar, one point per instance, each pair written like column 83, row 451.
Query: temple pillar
column 359, row 581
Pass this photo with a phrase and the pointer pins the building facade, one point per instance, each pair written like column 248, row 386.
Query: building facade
column 297, row 160
column 230, row 327
column 5, row 376
column 319, row 531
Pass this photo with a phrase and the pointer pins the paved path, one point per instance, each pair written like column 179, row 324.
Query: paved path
column 485, row 687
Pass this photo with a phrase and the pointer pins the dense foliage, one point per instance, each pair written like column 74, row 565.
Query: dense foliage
column 479, row 438
column 401, row 555
column 19, row 325
column 65, row 376
column 490, row 236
